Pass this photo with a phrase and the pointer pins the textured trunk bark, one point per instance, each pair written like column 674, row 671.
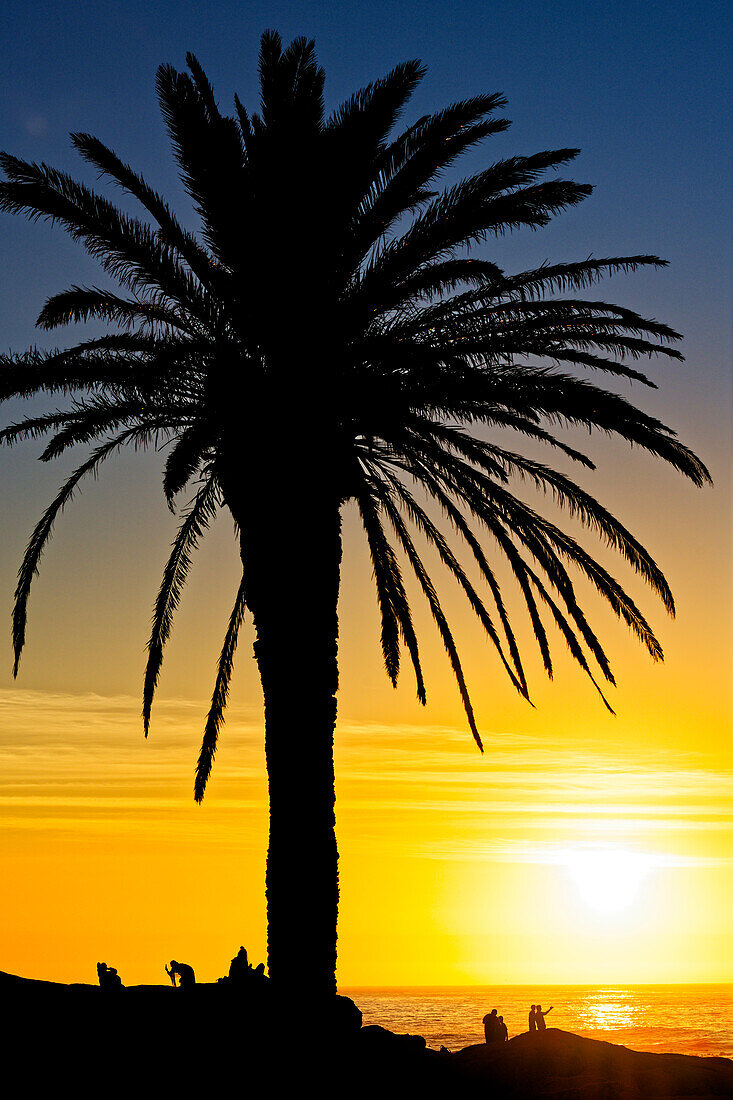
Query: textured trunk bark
column 291, row 554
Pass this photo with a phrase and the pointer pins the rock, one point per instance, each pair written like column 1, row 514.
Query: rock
column 564, row 1066
column 150, row 1041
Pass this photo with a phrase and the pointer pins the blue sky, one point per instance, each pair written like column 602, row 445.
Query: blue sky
column 641, row 88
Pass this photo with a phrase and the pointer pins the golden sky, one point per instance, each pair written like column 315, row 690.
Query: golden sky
column 579, row 848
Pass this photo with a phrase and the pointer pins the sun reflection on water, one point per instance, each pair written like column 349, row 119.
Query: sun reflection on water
column 613, row 1009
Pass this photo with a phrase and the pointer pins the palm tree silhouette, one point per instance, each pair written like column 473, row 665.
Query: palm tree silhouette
column 327, row 338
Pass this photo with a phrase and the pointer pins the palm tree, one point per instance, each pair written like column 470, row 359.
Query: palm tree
column 326, row 338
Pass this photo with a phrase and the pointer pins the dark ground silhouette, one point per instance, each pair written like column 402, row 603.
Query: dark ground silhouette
column 222, row 1040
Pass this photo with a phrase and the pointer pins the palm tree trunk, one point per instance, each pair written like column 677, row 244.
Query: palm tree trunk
column 291, row 554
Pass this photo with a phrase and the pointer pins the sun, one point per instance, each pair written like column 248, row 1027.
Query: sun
column 608, row 879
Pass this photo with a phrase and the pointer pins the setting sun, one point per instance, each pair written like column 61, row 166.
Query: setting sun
column 608, row 879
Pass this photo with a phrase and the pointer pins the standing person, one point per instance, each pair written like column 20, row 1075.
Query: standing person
column 503, row 1031
column 491, row 1027
column 186, row 976
column 540, row 1017
column 532, row 1018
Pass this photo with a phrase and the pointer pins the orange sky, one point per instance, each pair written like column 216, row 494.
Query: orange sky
column 455, row 867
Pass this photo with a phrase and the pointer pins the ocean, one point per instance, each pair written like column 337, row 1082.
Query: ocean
column 677, row 1019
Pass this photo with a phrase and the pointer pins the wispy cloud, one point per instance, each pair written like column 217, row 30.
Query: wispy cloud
column 69, row 761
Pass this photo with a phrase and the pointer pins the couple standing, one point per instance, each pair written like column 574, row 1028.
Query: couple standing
column 537, row 1017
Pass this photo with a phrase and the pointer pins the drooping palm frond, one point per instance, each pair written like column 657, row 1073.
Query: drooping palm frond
column 99, row 415
column 43, row 530
column 185, row 457
column 426, row 526
column 195, row 522
column 394, row 606
column 431, row 596
column 215, row 717
column 80, row 304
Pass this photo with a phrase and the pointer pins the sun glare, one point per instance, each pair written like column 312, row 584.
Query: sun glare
column 608, row 880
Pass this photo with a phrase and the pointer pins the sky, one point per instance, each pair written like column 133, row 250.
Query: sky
column 581, row 847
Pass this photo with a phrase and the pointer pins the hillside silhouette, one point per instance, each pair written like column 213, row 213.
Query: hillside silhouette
column 146, row 1040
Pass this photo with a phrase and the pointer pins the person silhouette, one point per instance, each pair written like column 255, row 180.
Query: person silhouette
column 108, row 977
column 242, row 973
column 239, row 968
column 540, row 1017
column 532, row 1018
column 503, row 1032
column 491, row 1027
column 186, row 976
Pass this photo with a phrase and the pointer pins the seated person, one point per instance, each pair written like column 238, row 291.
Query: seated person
column 239, row 967
column 108, row 977
column 241, row 971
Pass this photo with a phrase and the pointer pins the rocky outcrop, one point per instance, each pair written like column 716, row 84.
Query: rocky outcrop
column 564, row 1066
column 216, row 1040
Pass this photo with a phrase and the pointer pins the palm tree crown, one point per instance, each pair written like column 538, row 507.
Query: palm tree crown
column 326, row 338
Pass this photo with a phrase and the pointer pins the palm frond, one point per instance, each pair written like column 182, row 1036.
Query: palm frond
column 84, row 303
column 569, row 636
column 393, row 603
column 33, row 427
column 197, row 519
column 91, row 420
column 102, row 157
column 185, row 458
column 436, row 539
column 215, row 717
column 127, row 249
column 463, row 215
column 431, row 595
column 208, row 148
column 459, row 522
column 292, row 86
column 44, row 527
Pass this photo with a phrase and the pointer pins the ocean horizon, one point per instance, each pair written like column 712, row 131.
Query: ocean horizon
column 676, row 1019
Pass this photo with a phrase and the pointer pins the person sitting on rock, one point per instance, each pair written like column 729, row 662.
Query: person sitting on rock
column 184, row 972
column 540, row 1017
column 241, row 971
column 239, row 968
column 503, row 1032
column 532, row 1018
column 492, row 1032
column 108, row 977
